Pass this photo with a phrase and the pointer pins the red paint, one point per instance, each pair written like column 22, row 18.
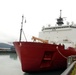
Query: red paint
column 40, row 56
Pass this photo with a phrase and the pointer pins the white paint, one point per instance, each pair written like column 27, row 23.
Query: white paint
column 60, row 34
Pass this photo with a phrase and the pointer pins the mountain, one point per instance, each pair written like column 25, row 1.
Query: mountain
column 4, row 45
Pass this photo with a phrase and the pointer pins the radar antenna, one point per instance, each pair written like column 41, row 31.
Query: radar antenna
column 60, row 20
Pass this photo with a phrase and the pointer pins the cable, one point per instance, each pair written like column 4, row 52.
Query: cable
column 61, row 53
column 24, row 36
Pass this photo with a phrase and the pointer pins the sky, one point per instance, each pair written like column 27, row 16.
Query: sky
column 38, row 13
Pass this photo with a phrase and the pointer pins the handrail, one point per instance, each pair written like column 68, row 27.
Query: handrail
column 69, row 69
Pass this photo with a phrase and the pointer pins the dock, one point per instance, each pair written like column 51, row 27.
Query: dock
column 71, row 66
column 7, row 51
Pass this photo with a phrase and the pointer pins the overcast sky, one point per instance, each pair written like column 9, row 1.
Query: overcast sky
column 38, row 13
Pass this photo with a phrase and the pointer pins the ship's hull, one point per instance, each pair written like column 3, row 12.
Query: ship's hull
column 40, row 56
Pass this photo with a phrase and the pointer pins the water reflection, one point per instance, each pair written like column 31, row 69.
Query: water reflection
column 11, row 55
column 10, row 65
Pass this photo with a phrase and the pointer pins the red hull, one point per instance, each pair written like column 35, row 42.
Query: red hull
column 40, row 56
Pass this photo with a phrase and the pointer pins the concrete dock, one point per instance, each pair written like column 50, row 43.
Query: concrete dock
column 71, row 66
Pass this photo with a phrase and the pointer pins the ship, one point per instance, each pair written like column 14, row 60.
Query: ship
column 50, row 50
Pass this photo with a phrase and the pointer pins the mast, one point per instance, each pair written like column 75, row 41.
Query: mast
column 60, row 20
column 60, row 12
column 21, row 28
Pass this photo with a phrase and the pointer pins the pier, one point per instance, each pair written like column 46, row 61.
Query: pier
column 71, row 66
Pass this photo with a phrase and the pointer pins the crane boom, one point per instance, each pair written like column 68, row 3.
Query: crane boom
column 43, row 41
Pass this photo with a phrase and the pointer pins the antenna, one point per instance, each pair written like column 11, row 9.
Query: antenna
column 60, row 13
column 60, row 20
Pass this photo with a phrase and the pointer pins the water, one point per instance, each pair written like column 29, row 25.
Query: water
column 10, row 65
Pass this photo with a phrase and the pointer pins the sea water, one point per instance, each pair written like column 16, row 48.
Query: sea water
column 10, row 65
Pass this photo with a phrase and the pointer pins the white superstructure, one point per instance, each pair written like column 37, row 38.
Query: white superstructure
column 60, row 33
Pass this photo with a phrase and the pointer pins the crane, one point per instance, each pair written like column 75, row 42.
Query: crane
column 43, row 41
